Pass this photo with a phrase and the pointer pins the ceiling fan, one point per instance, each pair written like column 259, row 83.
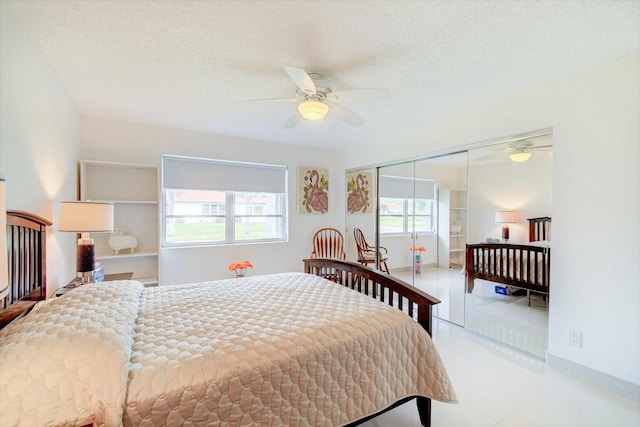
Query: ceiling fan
column 518, row 151
column 315, row 98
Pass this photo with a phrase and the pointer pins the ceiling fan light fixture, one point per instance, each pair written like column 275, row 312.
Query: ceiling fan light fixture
column 313, row 110
column 521, row 156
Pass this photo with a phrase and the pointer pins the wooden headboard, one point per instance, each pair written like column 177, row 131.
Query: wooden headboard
column 27, row 250
column 539, row 228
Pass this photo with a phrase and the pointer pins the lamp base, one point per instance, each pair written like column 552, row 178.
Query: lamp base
column 505, row 233
column 85, row 261
column 84, row 277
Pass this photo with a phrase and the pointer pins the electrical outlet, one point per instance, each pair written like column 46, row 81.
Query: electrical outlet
column 575, row 338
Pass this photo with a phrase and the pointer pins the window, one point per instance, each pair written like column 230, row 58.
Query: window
column 400, row 212
column 212, row 208
column 212, row 202
column 258, row 216
column 399, row 216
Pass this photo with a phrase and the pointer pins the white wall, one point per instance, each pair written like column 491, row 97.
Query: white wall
column 39, row 138
column 511, row 186
column 595, row 196
column 113, row 140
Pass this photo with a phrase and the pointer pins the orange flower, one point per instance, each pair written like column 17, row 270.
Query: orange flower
column 418, row 248
column 240, row 265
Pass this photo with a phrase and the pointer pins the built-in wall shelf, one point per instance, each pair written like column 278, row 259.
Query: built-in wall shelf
column 127, row 255
column 452, row 227
column 133, row 190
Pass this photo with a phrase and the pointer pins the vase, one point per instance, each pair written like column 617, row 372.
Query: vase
column 418, row 263
column 240, row 273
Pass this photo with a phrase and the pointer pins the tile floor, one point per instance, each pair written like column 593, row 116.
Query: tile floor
column 503, row 387
column 505, row 318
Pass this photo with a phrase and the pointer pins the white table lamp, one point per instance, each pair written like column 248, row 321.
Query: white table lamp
column 85, row 218
column 506, row 218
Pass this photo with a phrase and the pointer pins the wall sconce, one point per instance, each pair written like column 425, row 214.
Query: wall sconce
column 85, row 218
column 506, row 218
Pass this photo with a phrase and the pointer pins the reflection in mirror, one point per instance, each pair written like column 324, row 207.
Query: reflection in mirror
column 396, row 223
column 417, row 233
column 443, row 203
column 442, row 274
column 361, row 207
column 510, row 177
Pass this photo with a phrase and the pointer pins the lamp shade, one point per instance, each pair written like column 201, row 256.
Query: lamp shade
column 86, row 217
column 506, row 216
column 313, row 110
column 4, row 259
column 520, row 156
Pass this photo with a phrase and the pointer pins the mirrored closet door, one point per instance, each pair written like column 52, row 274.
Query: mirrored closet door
column 419, row 235
column 442, row 274
column 509, row 184
column 396, row 222
column 424, row 212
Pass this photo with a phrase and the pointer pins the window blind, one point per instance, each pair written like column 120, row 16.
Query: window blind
column 192, row 173
column 403, row 188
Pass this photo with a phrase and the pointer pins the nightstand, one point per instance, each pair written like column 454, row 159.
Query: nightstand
column 107, row 277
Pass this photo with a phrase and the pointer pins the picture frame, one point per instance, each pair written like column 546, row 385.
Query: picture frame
column 313, row 190
column 359, row 192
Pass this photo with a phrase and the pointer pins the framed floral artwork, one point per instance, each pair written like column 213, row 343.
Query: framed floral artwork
column 313, row 190
column 358, row 192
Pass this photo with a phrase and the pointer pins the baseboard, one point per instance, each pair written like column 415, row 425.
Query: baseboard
column 599, row 378
column 409, row 268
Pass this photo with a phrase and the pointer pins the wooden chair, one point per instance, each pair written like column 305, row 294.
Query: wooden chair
column 367, row 253
column 328, row 243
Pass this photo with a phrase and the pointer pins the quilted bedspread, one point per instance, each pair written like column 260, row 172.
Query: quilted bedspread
column 66, row 363
column 282, row 349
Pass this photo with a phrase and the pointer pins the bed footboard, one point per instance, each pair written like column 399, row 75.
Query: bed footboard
column 378, row 285
column 522, row 266
column 385, row 288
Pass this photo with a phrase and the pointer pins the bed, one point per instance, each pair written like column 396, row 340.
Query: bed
column 26, row 244
column 279, row 349
column 520, row 266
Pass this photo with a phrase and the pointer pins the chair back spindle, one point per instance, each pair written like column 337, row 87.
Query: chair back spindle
column 328, row 243
column 367, row 253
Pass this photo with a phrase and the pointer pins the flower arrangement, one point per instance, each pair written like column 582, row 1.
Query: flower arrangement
column 418, row 257
column 240, row 267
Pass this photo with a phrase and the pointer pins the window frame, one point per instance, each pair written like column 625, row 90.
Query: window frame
column 406, row 217
column 229, row 216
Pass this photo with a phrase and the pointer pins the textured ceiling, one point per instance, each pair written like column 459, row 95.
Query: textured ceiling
column 187, row 64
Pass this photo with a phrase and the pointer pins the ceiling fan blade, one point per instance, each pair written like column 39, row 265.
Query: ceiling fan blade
column 486, row 157
column 293, row 120
column 360, row 95
column 272, row 100
column 346, row 116
column 542, row 148
column 302, row 80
